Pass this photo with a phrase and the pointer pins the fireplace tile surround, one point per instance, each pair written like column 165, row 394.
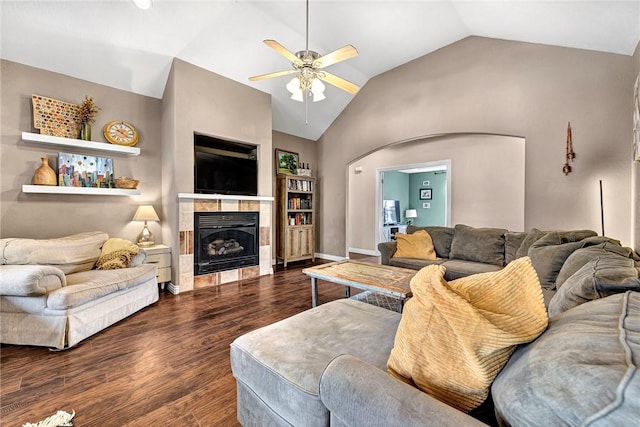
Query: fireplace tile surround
column 189, row 203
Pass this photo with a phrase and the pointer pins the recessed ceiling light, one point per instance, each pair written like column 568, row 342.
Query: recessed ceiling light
column 144, row 4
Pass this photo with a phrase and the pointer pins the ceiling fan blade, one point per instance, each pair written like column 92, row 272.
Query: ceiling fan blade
column 271, row 75
column 282, row 50
column 339, row 82
column 342, row 54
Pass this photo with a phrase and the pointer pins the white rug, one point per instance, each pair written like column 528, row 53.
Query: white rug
column 60, row 419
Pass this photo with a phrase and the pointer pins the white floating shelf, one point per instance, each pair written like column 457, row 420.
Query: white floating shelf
column 79, row 144
column 54, row 189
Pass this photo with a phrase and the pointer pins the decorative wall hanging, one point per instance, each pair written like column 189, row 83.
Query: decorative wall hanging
column 54, row 117
column 286, row 161
column 569, row 155
column 636, row 120
column 78, row 170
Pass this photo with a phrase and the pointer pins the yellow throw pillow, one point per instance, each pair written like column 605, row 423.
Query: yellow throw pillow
column 455, row 337
column 416, row 245
column 116, row 253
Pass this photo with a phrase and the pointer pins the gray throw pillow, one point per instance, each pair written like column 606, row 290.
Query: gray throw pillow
column 484, row 245
column 580, row 257
column 549, row 253
column 441, row 236
column 604, row 275
column 532, row 237
column 512, row 242
column 583, row 370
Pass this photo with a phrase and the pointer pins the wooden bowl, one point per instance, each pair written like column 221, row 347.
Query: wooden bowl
column 126, row 182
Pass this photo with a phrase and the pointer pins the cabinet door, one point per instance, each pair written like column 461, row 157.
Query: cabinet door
column 293, row 242
column 306, row 241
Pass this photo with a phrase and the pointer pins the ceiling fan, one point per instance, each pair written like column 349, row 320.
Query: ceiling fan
column 309, row 67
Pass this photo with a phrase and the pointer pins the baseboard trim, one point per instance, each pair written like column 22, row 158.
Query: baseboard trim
column 173, row 288
column 364, row 251
column 330, row 257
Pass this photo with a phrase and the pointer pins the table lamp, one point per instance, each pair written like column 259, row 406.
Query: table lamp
column 146, row 213
column 410, row 214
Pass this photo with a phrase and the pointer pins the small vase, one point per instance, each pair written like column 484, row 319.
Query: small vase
column 85, row 131
column 44, row 175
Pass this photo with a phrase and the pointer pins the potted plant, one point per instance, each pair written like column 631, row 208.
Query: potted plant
column 87, row 115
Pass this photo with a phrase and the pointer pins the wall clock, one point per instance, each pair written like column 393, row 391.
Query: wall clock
column 121, row 133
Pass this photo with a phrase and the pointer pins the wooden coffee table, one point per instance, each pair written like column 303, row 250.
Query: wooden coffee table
column 384, row 279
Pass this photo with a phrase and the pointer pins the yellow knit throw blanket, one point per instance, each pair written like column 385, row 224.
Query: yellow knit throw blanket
column 116, row 253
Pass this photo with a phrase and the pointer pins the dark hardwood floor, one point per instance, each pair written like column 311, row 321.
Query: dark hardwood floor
column 163, row 366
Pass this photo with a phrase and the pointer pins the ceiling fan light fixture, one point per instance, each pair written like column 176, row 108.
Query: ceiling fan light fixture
column 298, row 96
column 317, row 89
column 294, row 85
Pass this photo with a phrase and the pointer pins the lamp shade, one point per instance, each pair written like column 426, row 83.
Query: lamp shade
column 145, row 213
column 411, row 213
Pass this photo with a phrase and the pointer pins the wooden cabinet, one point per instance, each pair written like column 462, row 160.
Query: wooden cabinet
column 295, row 236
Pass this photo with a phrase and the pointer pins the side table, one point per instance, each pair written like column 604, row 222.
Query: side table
column 161, row 256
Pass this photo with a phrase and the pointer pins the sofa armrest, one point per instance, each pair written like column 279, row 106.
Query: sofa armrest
column 387, row 249
column 30, row 280
column 359, row 394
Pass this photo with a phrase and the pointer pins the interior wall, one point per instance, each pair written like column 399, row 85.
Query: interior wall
column 56, row 215
column 481, row 85
column 436, row 213
column 396, row 187
column 486, row 173
column 635, row 197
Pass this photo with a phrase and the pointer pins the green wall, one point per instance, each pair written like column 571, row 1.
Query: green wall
column 396, row 187
column 436, row 214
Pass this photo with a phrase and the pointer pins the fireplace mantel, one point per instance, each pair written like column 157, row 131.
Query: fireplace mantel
column 223, row 197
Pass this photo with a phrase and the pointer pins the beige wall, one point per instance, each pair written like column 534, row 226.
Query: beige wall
column 197, row 100
column 635, row 213
column 53, row 215
column 500, row 87
column 493, row 196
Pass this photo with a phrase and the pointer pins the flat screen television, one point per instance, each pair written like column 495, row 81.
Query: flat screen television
column 225, row 174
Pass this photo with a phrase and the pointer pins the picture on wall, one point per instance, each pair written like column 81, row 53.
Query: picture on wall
column 425, row 194
column 286, row 161
column 78, row 170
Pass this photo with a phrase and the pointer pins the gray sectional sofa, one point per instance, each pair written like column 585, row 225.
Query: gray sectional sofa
column 51, row 294
column 327, row 365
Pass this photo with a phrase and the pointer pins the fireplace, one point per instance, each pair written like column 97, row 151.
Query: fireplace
column 225, row 241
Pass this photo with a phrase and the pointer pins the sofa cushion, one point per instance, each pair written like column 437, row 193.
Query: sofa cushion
column 70, row 254
column 90, row 285
column 549, row 253
column 484, row 245
column 454, row 337
column 416, row 245
column 441, row 237
column 457, row 268
column 512, row 242
column 605, row 275
column 282, row 362
column 116, row 253
column 581, row 256
column 582, row 371
column 533, row 235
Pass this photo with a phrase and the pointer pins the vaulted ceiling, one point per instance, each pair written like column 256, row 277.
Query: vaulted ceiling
column 116, row 44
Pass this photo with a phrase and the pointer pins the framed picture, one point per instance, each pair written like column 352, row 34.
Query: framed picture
column 426, row 183
column 426, row 205
column 78, row 170
column 425, row 194
column 286, row 161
